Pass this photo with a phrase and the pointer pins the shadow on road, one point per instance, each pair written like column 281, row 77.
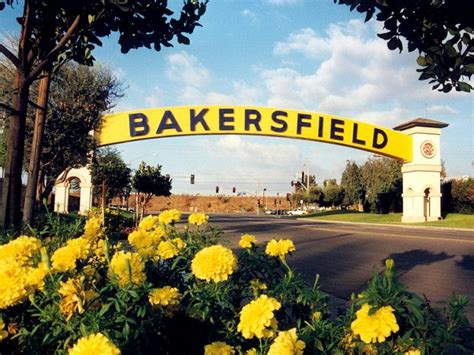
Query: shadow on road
column 407, row 260
column 467, row 262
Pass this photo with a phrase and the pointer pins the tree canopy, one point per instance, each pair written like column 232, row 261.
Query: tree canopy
column 53, row 32
column 441, row 31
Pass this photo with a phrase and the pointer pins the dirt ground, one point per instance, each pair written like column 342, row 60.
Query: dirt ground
column 209, row 204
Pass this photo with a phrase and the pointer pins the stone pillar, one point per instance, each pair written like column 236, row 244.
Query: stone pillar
column 421, row 176
column 61, row 198
column 86, row 198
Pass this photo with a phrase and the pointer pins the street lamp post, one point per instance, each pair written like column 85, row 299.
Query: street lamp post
column 265, row 198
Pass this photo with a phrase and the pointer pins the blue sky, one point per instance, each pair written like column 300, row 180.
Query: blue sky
column 300, row 54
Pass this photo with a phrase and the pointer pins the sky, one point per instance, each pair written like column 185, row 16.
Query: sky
column 296, row 54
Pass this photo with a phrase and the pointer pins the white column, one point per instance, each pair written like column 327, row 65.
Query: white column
column 421, row 177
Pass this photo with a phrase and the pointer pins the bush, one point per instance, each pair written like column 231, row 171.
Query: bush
column 177, row 291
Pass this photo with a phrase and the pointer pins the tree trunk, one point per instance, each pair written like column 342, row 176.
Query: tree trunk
column 36, row 147
column 102, row 207
column 10, row 211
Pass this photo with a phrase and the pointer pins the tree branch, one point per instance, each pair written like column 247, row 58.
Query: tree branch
column 13, row 58
column 9, row 108
column 47, row 60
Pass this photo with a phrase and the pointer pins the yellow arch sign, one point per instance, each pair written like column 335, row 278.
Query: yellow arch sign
column 204, row 120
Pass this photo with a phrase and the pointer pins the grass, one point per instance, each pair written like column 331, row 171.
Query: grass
column 452, row 220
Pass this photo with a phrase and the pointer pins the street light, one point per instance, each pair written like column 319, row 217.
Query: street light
column 265, row 198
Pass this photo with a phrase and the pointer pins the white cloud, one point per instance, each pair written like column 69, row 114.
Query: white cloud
column 156, row 98
column 250, row 15
column 283, row 2
column 261, row 154
column 441, row 109
column 187, row 69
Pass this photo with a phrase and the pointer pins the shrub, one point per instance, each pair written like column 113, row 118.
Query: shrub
column 179, row 291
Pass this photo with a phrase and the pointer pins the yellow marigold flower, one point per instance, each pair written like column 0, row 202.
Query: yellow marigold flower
column 215, row 263
column 389, row 264
column 64, row 259
column 22, row 248
column 413, row 352
column 3, row 333
column 164, row 296
column 287, row 343
column 94, row 344
column 149, row 222
column 169, row 216
column 251, row 351
column 376, row 327
column 35, row 276
column 17, row 281
column 73, row 297
column 167, row 250
column 198, row 218
column 218, row 348
column 127, row 268
column 247, row 241
column 316, row 315
column 143, row 243
column 92, row 228
column 257, row 317
column 279, row 248
column 180, row 244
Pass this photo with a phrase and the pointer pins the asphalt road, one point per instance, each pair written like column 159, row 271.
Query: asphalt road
column 430, row 262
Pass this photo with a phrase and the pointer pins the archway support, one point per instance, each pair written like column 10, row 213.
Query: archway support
column 61, row 199
column 422, row 175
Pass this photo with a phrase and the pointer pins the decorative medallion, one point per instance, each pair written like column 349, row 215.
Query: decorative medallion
column 428, row 149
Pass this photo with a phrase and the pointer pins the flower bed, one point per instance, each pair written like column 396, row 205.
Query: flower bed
column 182, row 292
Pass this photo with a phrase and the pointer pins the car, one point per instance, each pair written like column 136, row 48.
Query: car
column 297, row 212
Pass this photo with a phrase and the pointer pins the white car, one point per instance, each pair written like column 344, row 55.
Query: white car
column 297, row 212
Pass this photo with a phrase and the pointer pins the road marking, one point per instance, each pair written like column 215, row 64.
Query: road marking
column 375, row 234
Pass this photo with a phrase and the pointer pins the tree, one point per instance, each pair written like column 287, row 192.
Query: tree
column 382, row 181
column 441, row 31
column 351, row 182
column 79, row 96
column 55, row 32
column 110, row 175
column 333, row 193
column 149, row 182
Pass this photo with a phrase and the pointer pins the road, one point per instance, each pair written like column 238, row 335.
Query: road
column 430, row 262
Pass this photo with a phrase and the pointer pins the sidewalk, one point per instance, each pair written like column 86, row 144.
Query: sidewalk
column 409, row 226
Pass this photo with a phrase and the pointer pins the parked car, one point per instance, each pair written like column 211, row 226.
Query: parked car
column 297, row 212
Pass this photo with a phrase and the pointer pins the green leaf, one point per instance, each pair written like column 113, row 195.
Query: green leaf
column 470, row 68
column 464, row 86
column 421, row 60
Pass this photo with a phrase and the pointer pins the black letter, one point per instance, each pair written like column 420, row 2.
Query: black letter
column 320, row 126
column 199, row 118
column 284, row 125
column 138, row 123
column 335, row 130
column 252, row 121
column 375, row 143
column 223, row 119
column 356, row 140
column 164, row 125
column 300, row 124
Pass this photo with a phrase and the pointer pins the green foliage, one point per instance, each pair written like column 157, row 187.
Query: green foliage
column 382, row 181
column 109, row 172
column 351, row 182
column 332, row 192
column 441, row 31
column 210, row 311
column 458, row 196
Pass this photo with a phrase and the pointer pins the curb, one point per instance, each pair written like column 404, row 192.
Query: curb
column 387, row 225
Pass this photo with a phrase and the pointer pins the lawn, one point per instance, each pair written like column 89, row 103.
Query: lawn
column 452, row 220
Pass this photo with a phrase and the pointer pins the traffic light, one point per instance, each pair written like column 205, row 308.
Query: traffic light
column 192, row 179
column 233, row 190
column 217, row 189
